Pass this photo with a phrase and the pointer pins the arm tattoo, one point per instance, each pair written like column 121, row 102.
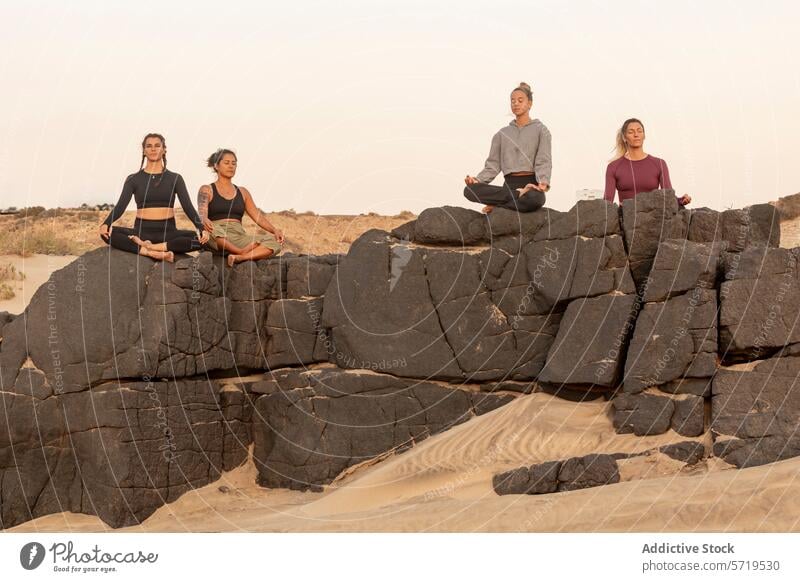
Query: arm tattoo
column 203, row 198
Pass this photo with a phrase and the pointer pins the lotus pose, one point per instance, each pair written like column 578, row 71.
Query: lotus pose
column 154, row 188
column 222, row 206
column 632, row 170
column 521, row 151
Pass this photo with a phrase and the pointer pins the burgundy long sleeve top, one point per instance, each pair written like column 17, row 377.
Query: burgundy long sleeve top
column 629, row 177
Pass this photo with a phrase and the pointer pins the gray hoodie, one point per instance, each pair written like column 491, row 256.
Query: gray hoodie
column 519, row 149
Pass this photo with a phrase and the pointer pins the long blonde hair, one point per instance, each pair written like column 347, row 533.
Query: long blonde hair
column 620, row 149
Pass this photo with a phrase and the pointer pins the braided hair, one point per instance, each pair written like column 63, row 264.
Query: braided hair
column 163, row 158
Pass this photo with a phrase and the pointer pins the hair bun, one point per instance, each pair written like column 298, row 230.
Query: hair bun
column 524, row 85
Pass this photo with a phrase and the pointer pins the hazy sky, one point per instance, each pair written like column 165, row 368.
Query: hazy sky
column 386, row 106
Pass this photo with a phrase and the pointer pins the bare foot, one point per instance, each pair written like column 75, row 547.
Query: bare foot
column 168, row 256
column 231, row 260
column 487, row 209
column 140, row 242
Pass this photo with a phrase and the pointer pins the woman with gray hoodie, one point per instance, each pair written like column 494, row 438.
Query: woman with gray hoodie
column 521, row 151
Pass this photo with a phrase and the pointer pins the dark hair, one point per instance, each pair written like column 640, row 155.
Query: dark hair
column 214, row 158
column 525, row 88
column 163, row 158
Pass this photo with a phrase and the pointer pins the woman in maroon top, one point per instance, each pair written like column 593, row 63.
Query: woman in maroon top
column 632, row 170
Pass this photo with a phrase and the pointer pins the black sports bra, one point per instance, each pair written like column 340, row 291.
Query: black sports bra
column 220, row 207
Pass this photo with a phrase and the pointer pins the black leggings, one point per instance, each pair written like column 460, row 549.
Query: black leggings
column 156, row 231
column 506, row 196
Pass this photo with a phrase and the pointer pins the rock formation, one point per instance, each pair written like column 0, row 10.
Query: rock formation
column 127, row 382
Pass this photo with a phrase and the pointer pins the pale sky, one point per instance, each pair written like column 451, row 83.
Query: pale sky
column 353, row 107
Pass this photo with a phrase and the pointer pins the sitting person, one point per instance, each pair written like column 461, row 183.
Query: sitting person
column 521, row 150
column 154, row 233
column 222, row 206
column 632, row 171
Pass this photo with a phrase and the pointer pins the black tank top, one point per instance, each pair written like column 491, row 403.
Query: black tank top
column 220, row 207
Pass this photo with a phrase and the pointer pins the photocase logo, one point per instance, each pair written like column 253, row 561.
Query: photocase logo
column 31, row 555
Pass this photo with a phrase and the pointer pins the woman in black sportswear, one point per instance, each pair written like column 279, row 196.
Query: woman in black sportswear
column 154, row 188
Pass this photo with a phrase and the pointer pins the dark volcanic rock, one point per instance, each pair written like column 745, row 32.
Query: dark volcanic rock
column 588, row 218
column 588, row 471
column 649, row 218
column 568, row 475
column 516, row 482
column 705, row 225
column 647, row 414
column 117, row 450
column 673, row 340
column 405, row 231
column 590, row 343
column 381, row 313
column 450, row 225
column 536, row 479
column 755, row 413
column 5, row 317
column 422, row 312
column 165, row 320
column 113, row 380
column 688, row 419
column 680, row 266
column 696, row 386
column 332, row 419
column 689, row 452
column 757, row 225
column 504, row 222
column 642, row 414
column 543, row 276
column 292, row 327
column 759, row 303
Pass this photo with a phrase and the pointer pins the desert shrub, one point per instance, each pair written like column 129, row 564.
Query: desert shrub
column 6, row 292
column 53, row 213
column 9, row 272
column 41, row 238
column 32, row 211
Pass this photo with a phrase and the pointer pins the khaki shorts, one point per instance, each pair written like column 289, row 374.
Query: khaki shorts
column 238, row 236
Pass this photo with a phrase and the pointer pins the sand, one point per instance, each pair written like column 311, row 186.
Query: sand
column 37, row 269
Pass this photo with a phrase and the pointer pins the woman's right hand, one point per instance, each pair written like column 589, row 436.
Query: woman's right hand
column 208, row 226
column 470, row 180
column 104, row 231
